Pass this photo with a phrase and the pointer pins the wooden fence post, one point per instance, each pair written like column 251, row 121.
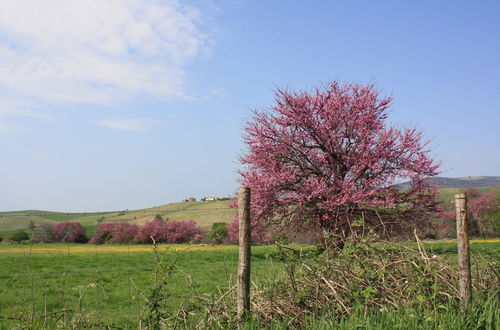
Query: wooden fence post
column 245, row 246
column 465, row 282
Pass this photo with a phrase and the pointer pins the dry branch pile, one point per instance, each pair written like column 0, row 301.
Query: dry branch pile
column 364, row 274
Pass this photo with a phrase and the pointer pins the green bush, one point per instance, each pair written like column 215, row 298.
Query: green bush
column 19, row 236
column 219, row 232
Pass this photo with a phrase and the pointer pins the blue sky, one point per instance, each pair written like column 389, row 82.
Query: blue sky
column 109, row 105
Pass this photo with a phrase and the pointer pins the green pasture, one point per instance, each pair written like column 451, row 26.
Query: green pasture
column 108, row 287
column 111, row 287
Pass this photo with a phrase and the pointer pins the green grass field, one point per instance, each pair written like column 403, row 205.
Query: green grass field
column 105, row 283
column 106, row 286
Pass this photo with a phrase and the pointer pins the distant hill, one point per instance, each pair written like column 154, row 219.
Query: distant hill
column 204, row 213
column 464, row 182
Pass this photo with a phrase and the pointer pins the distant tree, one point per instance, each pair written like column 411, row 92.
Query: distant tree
column 324, row 159
column 219, row 232
column 481, row 206
column 44, row 234
column 1, row 239
column 114, row 232
column 473, row 192
column 70, row 232
column 169, row 232
column 31, row 225
column 19, row 236
column 152, row 230
column 182, row 231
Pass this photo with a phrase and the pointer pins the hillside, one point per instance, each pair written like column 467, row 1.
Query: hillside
column 204, row 213
column 464, row 182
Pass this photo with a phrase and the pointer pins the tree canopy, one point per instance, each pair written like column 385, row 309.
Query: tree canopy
column 328, row 157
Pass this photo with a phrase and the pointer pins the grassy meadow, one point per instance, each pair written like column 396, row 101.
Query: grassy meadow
column 110, row 284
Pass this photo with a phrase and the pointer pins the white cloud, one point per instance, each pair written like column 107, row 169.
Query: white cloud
column 18, row 108
column 96, row 51
column 128, row 124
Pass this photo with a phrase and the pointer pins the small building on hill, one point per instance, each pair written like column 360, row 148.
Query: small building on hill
column 209, row 199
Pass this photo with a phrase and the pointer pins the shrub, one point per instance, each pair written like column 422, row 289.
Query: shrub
column 480, row 207
column 19, row 236
column 70, row 232
column 169, row 232
column 115, row 232
column 363, row 275
column 259, row 233
column 1, row 239
column 182, row 231
column 155, row 229
column 32, row 225
column 44, row 234
column 219, row 232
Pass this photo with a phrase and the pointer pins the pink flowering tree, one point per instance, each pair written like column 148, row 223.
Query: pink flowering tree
column 481, row 207
column 169, row 231
column 114, row 232
column 323, row 159
column 182, row 231
column 155, row 229
column 71, row 232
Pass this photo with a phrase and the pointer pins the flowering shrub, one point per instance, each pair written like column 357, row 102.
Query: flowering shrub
column 480, row 206
column 71, row 232
column 155, row 229
column 259, row 233
column 169, row 232
column 115, row 232
column 182, row 231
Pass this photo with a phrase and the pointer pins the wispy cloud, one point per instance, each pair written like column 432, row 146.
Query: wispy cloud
column 96, row 51
column 17, row 108
column 128, row 124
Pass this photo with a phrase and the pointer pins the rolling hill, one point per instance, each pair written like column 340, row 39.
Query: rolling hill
column 204, row 213
column 463, row 182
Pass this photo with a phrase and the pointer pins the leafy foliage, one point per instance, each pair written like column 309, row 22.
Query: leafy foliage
column 219, row 232
column 19, row 236
column 364, row 276
column 70, row 232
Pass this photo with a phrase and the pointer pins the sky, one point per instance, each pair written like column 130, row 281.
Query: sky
column 127, row 104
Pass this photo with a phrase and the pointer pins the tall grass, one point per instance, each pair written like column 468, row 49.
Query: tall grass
column 482, row 313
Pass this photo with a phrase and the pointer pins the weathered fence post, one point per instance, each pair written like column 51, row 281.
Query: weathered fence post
column 465, row 283
column 243, row 299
